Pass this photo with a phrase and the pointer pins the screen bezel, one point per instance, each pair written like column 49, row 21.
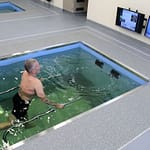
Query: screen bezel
column 147, row 28
column 139, row 23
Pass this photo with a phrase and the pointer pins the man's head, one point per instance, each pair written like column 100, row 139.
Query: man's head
column 32, row 66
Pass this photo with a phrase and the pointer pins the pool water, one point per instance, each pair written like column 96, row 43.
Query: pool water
column 7, row 7
column 72, row 74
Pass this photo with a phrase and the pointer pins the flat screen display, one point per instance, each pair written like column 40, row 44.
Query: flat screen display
column 147, row 31
column 129, row 19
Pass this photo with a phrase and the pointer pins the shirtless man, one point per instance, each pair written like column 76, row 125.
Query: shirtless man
column 29, row 87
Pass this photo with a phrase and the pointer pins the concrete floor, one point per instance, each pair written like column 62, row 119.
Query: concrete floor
column 122, row 123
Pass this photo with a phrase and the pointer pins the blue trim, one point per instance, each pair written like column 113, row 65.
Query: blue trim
column 47, row 51
column 10, row 5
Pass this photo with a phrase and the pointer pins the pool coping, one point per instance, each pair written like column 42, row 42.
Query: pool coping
column 76, row 118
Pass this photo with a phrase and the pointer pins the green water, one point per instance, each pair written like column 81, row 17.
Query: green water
column 67, row 76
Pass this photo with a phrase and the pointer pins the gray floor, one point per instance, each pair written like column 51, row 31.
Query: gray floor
column 114, row 125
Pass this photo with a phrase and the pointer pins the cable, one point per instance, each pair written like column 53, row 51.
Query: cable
column 72, row 101
column 21, row 124
column 9, row 90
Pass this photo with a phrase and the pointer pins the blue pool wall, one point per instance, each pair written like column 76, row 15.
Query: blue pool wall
column 101, row 57
column 114, row 65
column 11, row 5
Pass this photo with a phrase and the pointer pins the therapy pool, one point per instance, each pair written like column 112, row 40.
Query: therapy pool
column 73, row 74
column 7, row 7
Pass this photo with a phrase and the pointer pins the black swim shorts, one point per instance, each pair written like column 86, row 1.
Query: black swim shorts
column 20, row 107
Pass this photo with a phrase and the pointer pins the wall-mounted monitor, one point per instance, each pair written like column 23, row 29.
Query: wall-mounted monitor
column 147, row 30
column 128, row 19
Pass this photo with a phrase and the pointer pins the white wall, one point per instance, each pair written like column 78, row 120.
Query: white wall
column 58, row 3
column 104, row 12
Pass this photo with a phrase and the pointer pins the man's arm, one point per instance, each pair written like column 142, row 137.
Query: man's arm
column 41, row 94
column 47, row 101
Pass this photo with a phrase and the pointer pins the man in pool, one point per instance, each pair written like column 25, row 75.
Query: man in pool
column 30, row 86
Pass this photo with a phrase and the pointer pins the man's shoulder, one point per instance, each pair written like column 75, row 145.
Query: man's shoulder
column 37, row 81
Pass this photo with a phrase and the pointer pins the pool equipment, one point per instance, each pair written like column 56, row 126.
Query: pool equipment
column 72, row 101
column 19, row 124
column 99, row 63
column 9, row 90
column 114, row 73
